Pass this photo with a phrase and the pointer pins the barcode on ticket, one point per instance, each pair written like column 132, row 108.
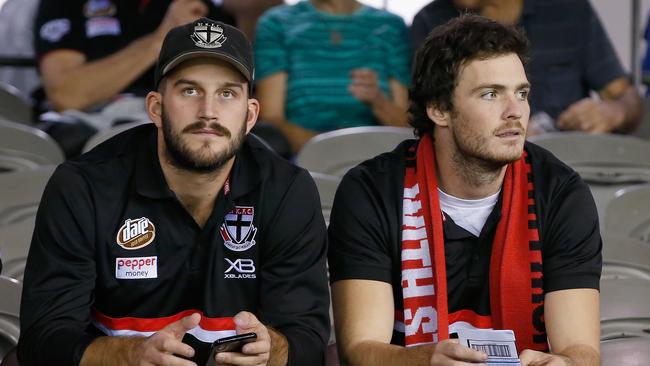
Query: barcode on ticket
column 493, row 350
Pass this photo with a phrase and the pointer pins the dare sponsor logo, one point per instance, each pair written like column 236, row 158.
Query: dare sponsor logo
column 136, row 233
column 136, row 268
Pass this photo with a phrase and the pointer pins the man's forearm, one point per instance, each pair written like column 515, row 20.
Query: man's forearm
column 99, row 80
column 110, row 351
column 279, row 354
column 581, row 355
column 370, row 353
column 632, row 106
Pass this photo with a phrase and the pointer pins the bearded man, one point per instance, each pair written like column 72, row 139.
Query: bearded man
column 174, row 234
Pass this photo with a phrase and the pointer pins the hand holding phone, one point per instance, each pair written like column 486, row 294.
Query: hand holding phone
column 229, row 344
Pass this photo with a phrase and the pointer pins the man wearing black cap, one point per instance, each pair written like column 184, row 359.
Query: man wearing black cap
column 168, row 237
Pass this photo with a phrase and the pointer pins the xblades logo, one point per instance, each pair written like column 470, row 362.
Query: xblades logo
column 244, row 268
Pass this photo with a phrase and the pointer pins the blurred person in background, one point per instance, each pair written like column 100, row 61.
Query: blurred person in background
column 247, row 12
column 329, row 64
column 17, row 40
column 96, row 59
column 91, row 52
column 571, row 57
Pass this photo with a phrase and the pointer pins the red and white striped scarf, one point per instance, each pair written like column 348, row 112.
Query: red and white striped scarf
column 516, row 291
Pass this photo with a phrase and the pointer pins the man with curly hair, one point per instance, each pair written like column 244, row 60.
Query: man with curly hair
column 467, row 227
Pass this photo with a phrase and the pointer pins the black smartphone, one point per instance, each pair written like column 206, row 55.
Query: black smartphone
column 229, row 344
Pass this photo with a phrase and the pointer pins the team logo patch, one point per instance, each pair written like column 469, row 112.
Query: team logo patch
column 207, row 35
column 136, row 233
column 237, row 231
column 136, row 267
column 55, row 29
column 240, row 268
column 99, row 8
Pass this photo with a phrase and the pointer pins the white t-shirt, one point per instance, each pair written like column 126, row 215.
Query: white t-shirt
column 468, row 214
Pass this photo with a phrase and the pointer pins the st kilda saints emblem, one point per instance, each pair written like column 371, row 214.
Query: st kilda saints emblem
column 237, row 230
column 208, row 35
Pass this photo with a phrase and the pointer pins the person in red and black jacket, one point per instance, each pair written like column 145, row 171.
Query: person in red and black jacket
column 179, row 232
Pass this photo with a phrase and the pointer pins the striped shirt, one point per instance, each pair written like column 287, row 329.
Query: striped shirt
column 319, row 50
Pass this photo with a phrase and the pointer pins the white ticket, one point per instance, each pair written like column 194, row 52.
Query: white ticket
column 498, row 344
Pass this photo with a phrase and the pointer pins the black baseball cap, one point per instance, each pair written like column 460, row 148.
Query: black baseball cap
column 205, row 38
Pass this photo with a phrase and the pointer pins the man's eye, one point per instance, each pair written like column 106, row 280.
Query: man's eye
column 189, row 92
column 523, row 94
column 227, row 94
column 489, row 95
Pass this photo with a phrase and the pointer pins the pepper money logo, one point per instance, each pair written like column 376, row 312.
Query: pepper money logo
column 136, row 233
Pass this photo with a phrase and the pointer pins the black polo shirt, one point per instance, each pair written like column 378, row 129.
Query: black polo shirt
column 99, row 28
column 365, row 232
column 570, row 53
column 115, row 252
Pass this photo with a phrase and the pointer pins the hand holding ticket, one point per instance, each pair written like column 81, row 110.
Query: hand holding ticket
column 499, row 345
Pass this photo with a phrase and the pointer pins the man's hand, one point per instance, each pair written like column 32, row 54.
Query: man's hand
column 181, row 12
column 535, row 358
column 590, row 115
column 389, row 111
column 365, row 86
column 161, row 347
column 449, row 352
column 254, row 353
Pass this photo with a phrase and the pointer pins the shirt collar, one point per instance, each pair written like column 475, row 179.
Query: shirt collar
column 149, row 178
column 454, row 232
column 245, row 174
column 151, row 182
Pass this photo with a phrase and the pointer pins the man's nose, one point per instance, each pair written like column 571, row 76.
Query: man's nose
column 208, row 109
column 515, row 108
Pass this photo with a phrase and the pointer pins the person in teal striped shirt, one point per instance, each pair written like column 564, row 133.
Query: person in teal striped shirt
column 322, row 65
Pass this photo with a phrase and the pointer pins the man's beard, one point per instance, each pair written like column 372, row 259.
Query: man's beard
column 477, row 163
column 204, row 160
column 475, row 146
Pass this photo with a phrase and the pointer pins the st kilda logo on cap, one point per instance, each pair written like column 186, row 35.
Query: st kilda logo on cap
column 136, row 233
column 208, row 35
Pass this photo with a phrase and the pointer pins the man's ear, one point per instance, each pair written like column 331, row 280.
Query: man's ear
column 437, row 115
column 153, row 105
column 253, row 113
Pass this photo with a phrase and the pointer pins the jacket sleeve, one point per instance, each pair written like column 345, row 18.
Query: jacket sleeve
column 294, row 296
column 59, row 25
column 59, row 275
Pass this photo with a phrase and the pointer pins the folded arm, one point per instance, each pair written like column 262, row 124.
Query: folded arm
column 620, row 109
column 73, row 82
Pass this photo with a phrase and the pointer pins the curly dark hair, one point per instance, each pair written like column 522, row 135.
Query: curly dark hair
column 446, row 49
